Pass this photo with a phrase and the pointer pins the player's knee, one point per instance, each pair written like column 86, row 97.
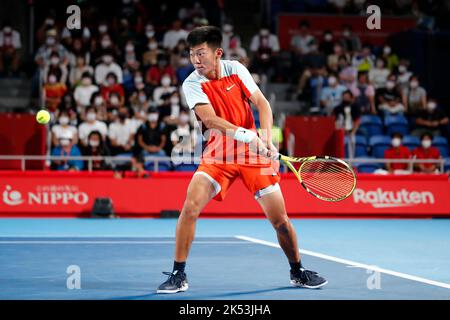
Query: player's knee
column 282, row 225
column 191, row 209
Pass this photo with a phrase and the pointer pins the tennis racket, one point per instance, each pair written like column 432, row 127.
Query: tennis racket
column 326, row 178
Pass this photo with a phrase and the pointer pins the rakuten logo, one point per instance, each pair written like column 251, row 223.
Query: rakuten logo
column 390, row 199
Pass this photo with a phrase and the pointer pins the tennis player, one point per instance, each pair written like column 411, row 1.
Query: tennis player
column 218, row 91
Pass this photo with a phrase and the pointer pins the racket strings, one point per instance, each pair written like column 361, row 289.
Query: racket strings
column 327, row 178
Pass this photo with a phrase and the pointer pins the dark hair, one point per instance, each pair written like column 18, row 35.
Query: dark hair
column 348, row 92
column 304, row 23
column 97, row 133
column 112, row 74
column 396, row 134
column 426, row 134
column 90, row 108
column 209, row 34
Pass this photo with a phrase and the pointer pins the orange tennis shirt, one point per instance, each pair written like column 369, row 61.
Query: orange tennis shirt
column 229, row 96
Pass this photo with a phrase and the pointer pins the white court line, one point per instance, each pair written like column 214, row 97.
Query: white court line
column 111, row 242
column 351, row 263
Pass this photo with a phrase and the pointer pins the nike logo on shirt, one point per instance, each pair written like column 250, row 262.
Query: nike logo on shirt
column 229, row 88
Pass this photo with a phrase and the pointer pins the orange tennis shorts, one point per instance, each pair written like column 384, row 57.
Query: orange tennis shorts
column 254, row 177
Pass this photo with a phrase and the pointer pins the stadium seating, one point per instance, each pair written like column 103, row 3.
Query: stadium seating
column 379, row 144
column 411, row 142
column 372, row 125
column 162, row 166
column 396, row 123
column 360, row 147
column 186, row 167
column 447, row 165
column 442, row 144
column 123, row 162
column 367, row 167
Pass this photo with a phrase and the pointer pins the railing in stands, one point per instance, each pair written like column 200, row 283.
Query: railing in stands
column 156, row 160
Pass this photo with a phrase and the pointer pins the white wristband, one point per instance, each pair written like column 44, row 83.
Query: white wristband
column 244, row 135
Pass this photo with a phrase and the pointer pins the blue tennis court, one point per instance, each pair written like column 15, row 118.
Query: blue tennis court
column 230, row 259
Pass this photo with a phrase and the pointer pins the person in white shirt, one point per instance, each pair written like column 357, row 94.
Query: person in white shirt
column 63, row 128
column 165, row 88
column 378, row 75
column 121, row 133
column 174, row 35
column 183, row 137
column 265, row 47
column 108, row 65
column 229, row 37
column 301, row 43
column 91, row 124
column 84, row 91
column 10, row 44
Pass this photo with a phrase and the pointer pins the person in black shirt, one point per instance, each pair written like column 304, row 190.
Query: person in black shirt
column 96, row 147
column 389, row 99
column 150, row 139
column 432, row 119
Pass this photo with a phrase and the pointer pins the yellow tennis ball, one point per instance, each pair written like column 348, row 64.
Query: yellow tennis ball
column 43, row 117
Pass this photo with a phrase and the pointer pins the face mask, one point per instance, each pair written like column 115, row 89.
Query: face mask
column 402, row 69
column 227, row 28
column 431, row 106
column 184, row 118
column 142, row 98
column 111, row 81
column 264, row 33
column 103, row 28
column 390, row 84
column 152, row 117
column 86, row 82
column 94, row 143
column 396, row 142
column 63, row 120
column 50, row 41
column 91, row 116
column 165, row 81
column 414, row 84
column 184, row 61
column 114, row 101
column 387, row 50
column 380, row 64
column 138, row 80
column 332, row 81
column 52, row 79
column 98, row 101
column 150, row 34
column 64, row 142
column 328, row 37
column 49, row 22
column 54, row 61
column 174, row 100
column 129, row 48
column 426, row 143
column 142, row 114
column 107, row 59
column 152, row 45
column 346, row 33
column 7, row 29
column 105, row 43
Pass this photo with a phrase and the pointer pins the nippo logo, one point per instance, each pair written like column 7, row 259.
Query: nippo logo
column 12, row 197
column 391, row 199
column 45, row 195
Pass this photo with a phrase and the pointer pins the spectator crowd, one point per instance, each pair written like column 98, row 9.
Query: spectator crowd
column 114, row 88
